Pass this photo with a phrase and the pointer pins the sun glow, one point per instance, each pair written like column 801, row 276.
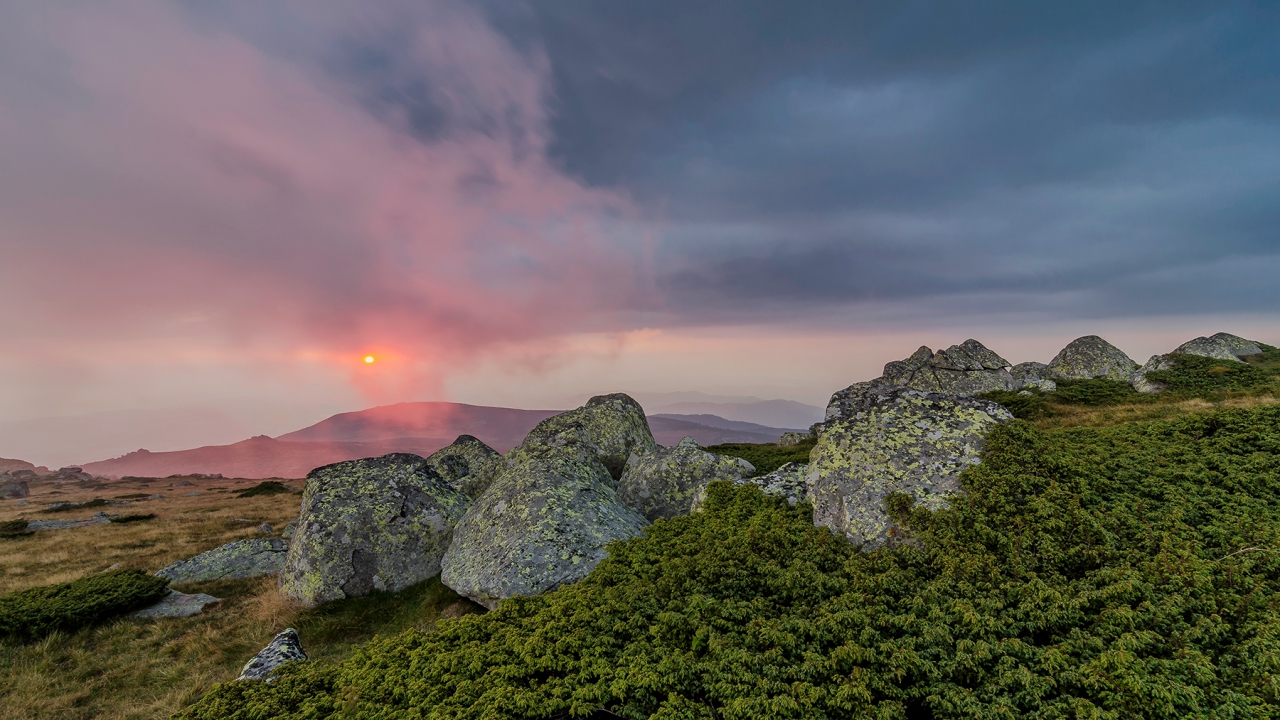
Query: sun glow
column 369, row 359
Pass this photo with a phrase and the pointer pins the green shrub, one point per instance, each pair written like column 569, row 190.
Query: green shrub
column 14, row 528
column 1117, row 572
column 1023, row 407
column 1193, row 373
column 67, row 607
column 1268, row 361
column 69, row 506
column 1098, row 391
column 133, row 518
column 765, row 457
column 134, row 496
column 267, row 487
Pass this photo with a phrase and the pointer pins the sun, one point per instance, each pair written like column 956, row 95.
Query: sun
column 369, row 359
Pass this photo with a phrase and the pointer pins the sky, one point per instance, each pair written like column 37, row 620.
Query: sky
column 224, row 206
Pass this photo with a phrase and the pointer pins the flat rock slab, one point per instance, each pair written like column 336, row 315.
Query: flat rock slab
column 95, row 519
column 233, row 561
column 175, row 605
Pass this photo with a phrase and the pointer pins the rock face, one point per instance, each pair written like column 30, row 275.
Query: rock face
column 284, row 647
column 1238, row 345
column 1210, row 347
column 789, row 482
column 1029, row 375
column 468, row 465
column 794, row 438
column 894, row 440
column 965, row 369
column 663, row 482
column 1092, row 357
column 14, row 489
column 374, row 524
column 233, row 561
column 98, row 518
column 176, row 604
column 610, row 427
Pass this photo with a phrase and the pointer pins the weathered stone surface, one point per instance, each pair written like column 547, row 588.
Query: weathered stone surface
column 794, row 438
column 468, row 465
column 1033, row 375
column 284, row 647
column 663, row 482
column 14, row 489
column 1140, row 381
column 289, row 529
column 965, row 369
column 789, row 482
column 374, row 524
column 233, row 561
column 894, row 440
column 1092, row 357
column 176, row 604
column 266, row 529
column 610, row 427
column 1239, row 346
column 543, row 523
column 1210, row 347
column 99, row 518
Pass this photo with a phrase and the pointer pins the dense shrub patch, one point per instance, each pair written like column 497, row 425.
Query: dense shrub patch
column 14, row 528
column 133, row 518
column 1119, row 572
column 70, row 606
column 765, row 458
column 267, row 487
column 69, row 506
column 1193, row 373
column 1098, row 391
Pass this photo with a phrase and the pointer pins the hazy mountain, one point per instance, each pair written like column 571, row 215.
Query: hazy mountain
column 770, row 413
column 501, row 428
column 716, row 421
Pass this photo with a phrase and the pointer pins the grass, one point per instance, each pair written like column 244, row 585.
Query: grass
column 766, row 457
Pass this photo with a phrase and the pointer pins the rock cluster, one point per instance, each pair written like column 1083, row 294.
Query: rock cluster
column 233, row 561
column 965, row 369
column 663, row 482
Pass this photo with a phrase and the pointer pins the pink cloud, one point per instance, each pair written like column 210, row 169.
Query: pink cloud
column 172, row 180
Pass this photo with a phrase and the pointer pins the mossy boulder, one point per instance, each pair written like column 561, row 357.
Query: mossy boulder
column 468, row 465
column 285, row 647
column 375, row 524
column 663, row 482
column 1029, row 375
column 544, row 522
column 1091, row 357
column 965, row 369
column 894, row 441
column 609, row 427
column 789, row 482
column 234, row 561
column 1210, row 347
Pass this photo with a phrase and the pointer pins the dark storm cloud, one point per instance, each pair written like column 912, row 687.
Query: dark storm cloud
column 1081, row 158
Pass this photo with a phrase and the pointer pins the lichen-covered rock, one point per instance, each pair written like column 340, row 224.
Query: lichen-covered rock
column 1239, row 346
column 1140, row 382
column 1092, row 357
column 233, row 561
column 543, row 523
column 289, row 529
column 894, row 440
column 176, row 604
column 789, row 482
column 14, row 489
column 794, row 438
column 610, row 427
column 468, row 465
column 965, row 369
column 1033, row 375
column 375, row 524
column 284, row 647
column 663, row 482
column 1215, row 348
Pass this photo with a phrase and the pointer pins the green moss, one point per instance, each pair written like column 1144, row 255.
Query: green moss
column 66, row 607
column 133, row 518
column 267, row 487
column 766, row 457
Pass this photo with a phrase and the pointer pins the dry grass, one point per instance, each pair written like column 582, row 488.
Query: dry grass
column 1095, row 416
column 150, row 669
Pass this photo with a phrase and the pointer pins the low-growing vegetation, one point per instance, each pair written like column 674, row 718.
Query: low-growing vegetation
column 1130, row 571
column 136, row 517
column 66, row 607
column 765, row 457
column 14, row 528
column 69, row 506
column 1193, row 374
column 267, row 487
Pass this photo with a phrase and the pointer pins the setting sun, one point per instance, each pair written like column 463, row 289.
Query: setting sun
column 369, row 359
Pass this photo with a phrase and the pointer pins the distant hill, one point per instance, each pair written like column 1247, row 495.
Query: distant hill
column 769, row 413
column 419, row 428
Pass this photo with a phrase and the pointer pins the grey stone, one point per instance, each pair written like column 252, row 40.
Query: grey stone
column 1090, row 357
column 894, row 440
column 965, row 369
column 544, row 522
column 1033, row 375
column 1140, row 382
column 14, row 489
column 284, row 647
column 289, row 529
column 789, row 482
column 468, row 465
column 99, row 518
column 175, row 604
column 663, row 482
column 235, row 560
column 1215, row 348
column 794, row 438
column 374, row 524
column 608, row 427
column 1239, row 346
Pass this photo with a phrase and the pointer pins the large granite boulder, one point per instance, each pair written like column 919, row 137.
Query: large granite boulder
column 544, row 522
column 1239, row 346
column 1210, row 347
column 14, row 489
column 609, row 427
column 663, row 482
column 1035, row 375
column 965, row 369
column 1091, row 357
column 468, row 465
column 234, row 561
column 285, row 647
column 894, row 440
column 375, row 524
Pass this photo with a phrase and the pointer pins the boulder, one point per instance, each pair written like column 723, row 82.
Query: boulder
column 794, row 438
column 1210, row 347
column 1091, row 357
column 609, row 427
column 1140, row 382
column 98, row 518
column 789, row 482
column 544, row 522
column 663, row 482
column 1035, row 375
column 468, row 465
column 965, row 369
column 894, row 440
column 176, row 604
column 233, row 561
column 14, row 489
column 1239, row 346
column 284, row 647
column 374, row 524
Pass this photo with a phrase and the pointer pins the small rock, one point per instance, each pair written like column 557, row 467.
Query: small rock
column 176, row 604
column 965, row 369
column 794, row 438
column 233, row 561
column 193, row 493
column 265, row 528
column 14, row 489
column 1033, row 375
column 289, row 529
column 284, row 647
